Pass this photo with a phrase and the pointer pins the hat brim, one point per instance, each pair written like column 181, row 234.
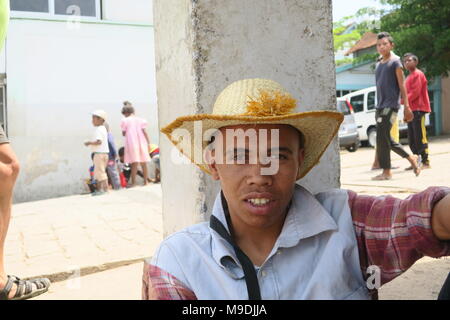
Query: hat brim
column 318, row 127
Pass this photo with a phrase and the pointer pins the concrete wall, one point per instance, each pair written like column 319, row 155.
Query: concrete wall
column 214, row 43
column 445, row 85
column 56, row 76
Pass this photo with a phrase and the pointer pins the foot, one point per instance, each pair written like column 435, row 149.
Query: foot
column 409, row 168
column 382, row 177
column 415, row 163
column 17, row 289
column 98, row 193
column 375, row 168
column 425, row 166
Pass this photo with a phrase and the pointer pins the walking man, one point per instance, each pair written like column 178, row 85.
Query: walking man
column 390, row 84
column 416, row 86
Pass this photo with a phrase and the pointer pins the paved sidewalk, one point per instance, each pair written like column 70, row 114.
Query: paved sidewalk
column 356, row 171
column 83, row 234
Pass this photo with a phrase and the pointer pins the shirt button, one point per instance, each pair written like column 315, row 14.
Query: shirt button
column 263, row 273
column 278, row 252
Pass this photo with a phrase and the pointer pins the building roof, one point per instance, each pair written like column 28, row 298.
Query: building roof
column 368, row 40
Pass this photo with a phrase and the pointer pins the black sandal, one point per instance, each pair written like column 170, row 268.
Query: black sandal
column 26, row 289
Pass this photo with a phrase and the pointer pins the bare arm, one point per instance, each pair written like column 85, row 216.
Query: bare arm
column 440, row 219
column 93, row 143
column 146, row 136
column 401, row 84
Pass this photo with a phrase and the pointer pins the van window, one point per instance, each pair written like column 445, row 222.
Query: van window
column 357, row 103
column 343, row 107
column 371, row 100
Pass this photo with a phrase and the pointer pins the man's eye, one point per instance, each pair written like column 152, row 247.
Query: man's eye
column 278, row 156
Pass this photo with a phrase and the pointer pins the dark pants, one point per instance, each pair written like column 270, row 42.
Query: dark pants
column 385, row 143
column 417, row 135
column 445, row 291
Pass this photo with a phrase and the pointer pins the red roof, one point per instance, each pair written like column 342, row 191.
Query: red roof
column 368, row 40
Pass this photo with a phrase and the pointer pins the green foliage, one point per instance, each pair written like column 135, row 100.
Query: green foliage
column 364, row 20
column 423, row 28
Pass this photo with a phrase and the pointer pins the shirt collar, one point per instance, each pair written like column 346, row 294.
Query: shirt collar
column 306, row 218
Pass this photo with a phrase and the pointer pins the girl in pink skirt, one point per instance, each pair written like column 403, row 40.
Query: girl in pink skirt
column 136, row 142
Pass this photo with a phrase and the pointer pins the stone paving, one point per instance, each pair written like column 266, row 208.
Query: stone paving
column 59, row 237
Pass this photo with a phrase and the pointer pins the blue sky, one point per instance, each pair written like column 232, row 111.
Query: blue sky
column 342, row 8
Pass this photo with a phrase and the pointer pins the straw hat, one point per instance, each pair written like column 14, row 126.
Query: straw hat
column 257, row 101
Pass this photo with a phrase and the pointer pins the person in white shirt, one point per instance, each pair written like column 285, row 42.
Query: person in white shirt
column 100, row 149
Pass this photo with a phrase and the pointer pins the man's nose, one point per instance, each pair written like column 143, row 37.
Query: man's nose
column 256, row 177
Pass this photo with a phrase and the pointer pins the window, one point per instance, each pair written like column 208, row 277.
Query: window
column 357, row 103
column 343, row 107
column 371, row 100
column 83, row 8
column 30, row 5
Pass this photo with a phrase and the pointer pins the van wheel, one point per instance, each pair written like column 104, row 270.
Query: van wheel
column 352, row 148
column 372, row 137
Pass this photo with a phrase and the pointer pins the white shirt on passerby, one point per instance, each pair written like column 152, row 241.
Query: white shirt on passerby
column 101, row 134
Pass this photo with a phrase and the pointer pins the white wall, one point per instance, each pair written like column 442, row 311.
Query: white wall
column 139, row 11
column 56, row 76
column 363, row 76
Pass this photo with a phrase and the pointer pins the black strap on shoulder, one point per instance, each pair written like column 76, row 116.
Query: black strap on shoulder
column 251, row 278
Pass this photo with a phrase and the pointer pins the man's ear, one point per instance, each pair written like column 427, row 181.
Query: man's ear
column 212, row 166
column 301, row 156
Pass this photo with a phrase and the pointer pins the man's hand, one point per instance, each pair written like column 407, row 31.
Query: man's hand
column 408, row 114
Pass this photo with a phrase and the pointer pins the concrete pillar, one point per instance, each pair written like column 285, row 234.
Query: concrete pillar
column 204, row 45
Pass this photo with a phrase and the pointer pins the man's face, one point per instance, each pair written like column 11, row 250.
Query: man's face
column 410, row 63
column 384, row 46
column 257, row 199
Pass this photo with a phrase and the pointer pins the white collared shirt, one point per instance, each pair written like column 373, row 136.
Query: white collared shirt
column 315, row 256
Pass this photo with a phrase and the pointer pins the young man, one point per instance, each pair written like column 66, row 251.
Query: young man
column 269, row 238
column 416, row 85
column 11, row 287
column 390, row 84
column 100, row 149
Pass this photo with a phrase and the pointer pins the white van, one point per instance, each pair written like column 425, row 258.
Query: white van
column 364, row 102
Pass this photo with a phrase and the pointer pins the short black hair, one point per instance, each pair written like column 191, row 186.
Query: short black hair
column 412, row 55
column 121, row 152
column 383, row 35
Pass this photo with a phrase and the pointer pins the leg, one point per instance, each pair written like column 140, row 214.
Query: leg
column 145, row 172
column 398, row 149
column 422, row 141
column 383, row 143
column 9, row 170
column 134, row 167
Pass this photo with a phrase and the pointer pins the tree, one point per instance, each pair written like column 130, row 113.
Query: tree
column 423, row 28
column 364, row 20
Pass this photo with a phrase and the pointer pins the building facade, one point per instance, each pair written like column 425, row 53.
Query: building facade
column 62, row 60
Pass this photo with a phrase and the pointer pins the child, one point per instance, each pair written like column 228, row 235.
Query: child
column 136, row 142
column 99, row 146
column 154, row 155
column 111, row 169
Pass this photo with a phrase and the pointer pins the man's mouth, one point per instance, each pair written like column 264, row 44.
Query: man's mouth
column 259, row 202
